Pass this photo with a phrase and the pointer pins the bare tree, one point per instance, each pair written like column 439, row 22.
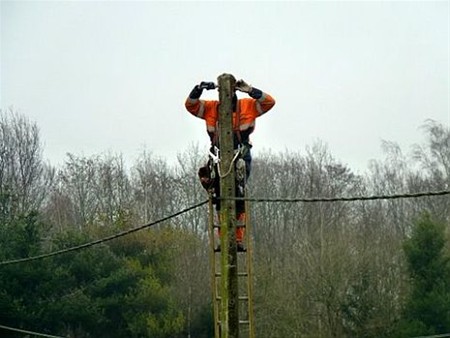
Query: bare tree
column 189, row 190
column 303, row 250
column 77, row 179
column 112, row 190
column 152, row 184
column 23, row 175
column 433, row 169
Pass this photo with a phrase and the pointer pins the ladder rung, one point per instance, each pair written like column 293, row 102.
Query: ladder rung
column 240, row 298
column 238, row 252
column 238, row 225
column 240, row 274
column 241, row 322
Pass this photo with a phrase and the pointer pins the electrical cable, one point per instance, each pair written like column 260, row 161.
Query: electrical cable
column 29, row 332
column 284, row 200
column 102, row 240
column 443, row 335
column 340, row 199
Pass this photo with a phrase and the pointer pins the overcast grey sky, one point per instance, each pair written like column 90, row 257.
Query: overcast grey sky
column 113, row 76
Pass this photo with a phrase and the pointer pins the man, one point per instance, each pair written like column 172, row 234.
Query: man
column 245, row 112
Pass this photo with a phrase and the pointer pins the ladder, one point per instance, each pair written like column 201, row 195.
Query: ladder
column 245, row 277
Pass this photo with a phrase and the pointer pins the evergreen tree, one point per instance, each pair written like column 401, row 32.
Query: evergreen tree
column 119, row 289
column 427, row 309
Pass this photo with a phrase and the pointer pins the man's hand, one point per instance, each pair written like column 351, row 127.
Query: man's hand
column 207, row 85
column 198, row 89
column 243, row 86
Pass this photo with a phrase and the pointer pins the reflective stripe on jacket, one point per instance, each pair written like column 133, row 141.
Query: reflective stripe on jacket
column 248, row 110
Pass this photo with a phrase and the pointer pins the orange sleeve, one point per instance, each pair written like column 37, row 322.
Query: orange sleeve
column 264, row 104
column 193, row 106
column 203, row 109
column 253, row 108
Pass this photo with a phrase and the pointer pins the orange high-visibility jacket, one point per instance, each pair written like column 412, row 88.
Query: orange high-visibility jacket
column 247, row 111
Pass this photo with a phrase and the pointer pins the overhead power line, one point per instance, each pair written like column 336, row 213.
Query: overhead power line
column 271, row 200
column 342, row 199
column 102, row 240
column 29, row 332
column 443, row 335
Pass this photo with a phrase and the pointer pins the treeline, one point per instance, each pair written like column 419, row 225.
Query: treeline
column 341, row 269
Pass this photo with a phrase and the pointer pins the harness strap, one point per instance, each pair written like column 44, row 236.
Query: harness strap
column 241, row 137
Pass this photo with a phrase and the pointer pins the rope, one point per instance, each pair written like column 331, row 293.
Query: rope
column 230, row 168
column 102, row 240
column 29, row 332
column 341, row 199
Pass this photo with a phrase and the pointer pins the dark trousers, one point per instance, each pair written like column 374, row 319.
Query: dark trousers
column 239, row 186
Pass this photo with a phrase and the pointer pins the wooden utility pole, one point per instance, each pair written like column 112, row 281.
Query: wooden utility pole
column 229, row 280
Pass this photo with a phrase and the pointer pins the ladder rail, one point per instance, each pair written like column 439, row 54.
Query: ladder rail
column 212, row 259
column 247, row 273
column 249, row 263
